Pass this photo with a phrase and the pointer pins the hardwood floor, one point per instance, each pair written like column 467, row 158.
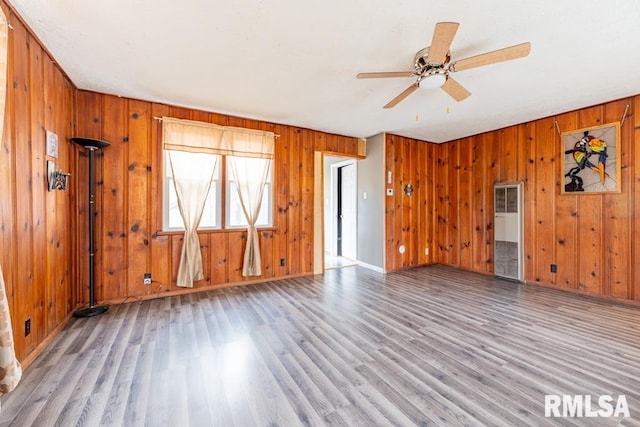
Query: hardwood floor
column 429, row 346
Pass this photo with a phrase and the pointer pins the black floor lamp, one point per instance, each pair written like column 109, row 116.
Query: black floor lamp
column 91, row 145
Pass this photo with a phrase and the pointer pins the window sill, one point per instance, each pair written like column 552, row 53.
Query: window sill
column 212, row 231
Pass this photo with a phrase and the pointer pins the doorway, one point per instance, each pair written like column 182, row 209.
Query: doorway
column 340, row 211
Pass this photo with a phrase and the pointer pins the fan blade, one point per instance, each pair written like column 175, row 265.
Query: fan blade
column 385, row 74
column 455, row 89
column 500, row 55
column 442, row 37
column 408, row 91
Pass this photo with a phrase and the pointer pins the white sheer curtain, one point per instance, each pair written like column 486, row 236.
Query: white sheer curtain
column 193, row 165
column 198, row 137
column 250, row 176
column 10, row 369
column 192, row 178
column 250, row 164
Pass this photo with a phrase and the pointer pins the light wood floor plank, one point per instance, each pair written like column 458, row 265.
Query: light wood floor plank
column 427, row 346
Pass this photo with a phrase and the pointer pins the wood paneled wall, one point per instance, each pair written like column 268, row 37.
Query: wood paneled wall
column 593, row 239
column 36, row 244
column 129, row 196
column 409, row 220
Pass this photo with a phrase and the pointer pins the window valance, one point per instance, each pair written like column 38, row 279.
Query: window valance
column 200, row 137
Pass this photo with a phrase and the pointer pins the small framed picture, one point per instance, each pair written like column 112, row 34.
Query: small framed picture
column 591, row 160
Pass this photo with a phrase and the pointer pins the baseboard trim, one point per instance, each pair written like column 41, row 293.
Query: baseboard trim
column 371, row 267
column 27, row 361
column 184, row 291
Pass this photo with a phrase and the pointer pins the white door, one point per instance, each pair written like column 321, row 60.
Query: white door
column 348, row 212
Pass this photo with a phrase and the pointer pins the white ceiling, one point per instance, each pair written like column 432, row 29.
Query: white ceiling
column 294, row 61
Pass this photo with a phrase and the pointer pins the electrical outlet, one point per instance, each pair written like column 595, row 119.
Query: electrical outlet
column 27, row 326
column 554, row 268
column 282, row 262
column 147, row 278
column 426, row 251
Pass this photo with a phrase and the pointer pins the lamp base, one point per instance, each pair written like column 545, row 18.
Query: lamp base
column 90, row 311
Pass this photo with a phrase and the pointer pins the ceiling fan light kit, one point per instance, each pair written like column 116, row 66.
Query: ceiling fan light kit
column 433, row 81
column 433, row 66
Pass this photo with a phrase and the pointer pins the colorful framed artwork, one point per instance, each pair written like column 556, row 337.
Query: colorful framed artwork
column 591, row 160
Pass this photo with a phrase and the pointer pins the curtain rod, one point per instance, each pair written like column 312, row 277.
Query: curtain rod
column 275, row 135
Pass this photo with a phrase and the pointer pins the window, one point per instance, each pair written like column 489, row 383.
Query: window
column 171, row 212
column 247, row 167
column 222, row 196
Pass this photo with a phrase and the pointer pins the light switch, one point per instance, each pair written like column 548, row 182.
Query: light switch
column 52, row 144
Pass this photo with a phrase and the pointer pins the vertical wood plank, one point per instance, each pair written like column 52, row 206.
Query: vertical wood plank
column 235, row 253
column 176, row 251
column 320, row 141
column 404, row 202
column 431, row 197
column 478, row 248
column 306, row 202
column 465, row 192
column 281, row 194
column 113, row 250
column 567, row 251
column 293, row 219
column 545, row 187
column 139, row 198
column 617, row 210
column 8, row 224
column 590, row 236
column 441, row 207
column 56, row 203
column 527, row 149
column 266, row 252
column 23, row 278
column 508, row 155
column 160, row 245
column 207, row 259
column 219, row 255
column 421, row 216
column 39, row 189
column 453, row 197
column 332, row 143
column 492, row 174
column 412, row 222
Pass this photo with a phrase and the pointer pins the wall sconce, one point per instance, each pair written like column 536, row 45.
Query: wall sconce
column 408, row 189
column 56, row 179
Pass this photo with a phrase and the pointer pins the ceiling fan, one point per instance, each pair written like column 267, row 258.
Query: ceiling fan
column 435, row 60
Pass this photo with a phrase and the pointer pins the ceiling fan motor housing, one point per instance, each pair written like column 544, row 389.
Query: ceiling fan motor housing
column 425, row 68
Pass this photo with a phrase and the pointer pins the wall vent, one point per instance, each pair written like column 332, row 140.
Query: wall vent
column 509, row 230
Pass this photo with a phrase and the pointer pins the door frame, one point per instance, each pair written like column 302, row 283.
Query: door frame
column 318, row 206
column 336, row 181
